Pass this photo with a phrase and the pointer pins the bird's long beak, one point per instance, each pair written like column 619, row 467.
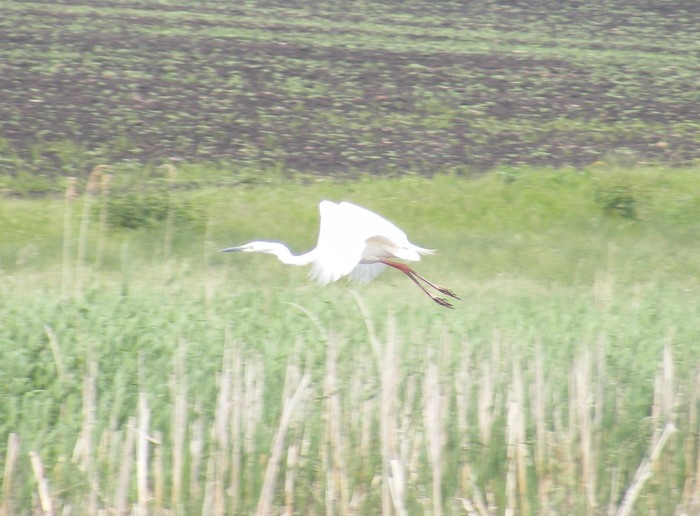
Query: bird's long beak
column 231, row 249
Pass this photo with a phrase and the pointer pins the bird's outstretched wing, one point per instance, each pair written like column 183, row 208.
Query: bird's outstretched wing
column 381, row 238
column 339, row 248
column 351, row 238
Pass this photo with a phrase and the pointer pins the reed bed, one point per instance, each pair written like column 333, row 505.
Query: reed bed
column 176, row 396
column 457, row 431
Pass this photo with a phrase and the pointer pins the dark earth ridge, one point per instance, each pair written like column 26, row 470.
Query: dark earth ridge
column 99, row 83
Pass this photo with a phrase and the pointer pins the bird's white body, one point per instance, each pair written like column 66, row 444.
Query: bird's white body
column 351, row 242
column 356, row 243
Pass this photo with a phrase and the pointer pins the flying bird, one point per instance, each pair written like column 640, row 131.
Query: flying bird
column 353, row 242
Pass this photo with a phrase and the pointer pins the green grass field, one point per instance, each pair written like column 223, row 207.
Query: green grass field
column 548, row 152
column 143, row 369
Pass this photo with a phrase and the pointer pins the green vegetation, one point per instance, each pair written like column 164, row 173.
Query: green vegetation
column 142, row 367
column 549, row 152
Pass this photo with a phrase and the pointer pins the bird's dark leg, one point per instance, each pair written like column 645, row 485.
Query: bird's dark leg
column 444, row 290
column 414, row 276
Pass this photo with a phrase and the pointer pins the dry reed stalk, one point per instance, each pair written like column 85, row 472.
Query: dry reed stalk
column 599, row 400
column 290, row 474
column 357, row 393
column 13, row 446
column 414, row 467
column 582, row 404
column 253, row 401
column 307, row 434
column 667, row 415
column 397, row 486
column 491, row 498
column 56, row 352
column 170, row 220
column 463, row 386
column 468, row 507
column 695, row 500
column 220, row 432
column 209, row 481
column 327, row 469
column 142, row 450
column 358, row 499
column 668, row 395
column 122, row 492
column 539, row 403
column 270, row 479
column 486, row 404
column 515, row 425
column 435, row 433
column 84, row 452
column 196, row 450
column 158, row 472
column 564, row 446
column 102, row 221
column 614, row 490
column 476, row 502
column 90, row 190
column 368, row 411
column 645, row 470
column 42, row 484
column 387, row 372
column 110, row 447
column 293, row 371
column 511, row 441
column 487, row 401
column 334, row 424
column 235, row 425
column 66, row 277
column 516, row 480
column 691, row 488
column 409, row 442
column 389, row 378
column 178, row 394
column 253, row 373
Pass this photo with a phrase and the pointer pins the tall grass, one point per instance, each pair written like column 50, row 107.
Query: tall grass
column 242, row 388
column 348, row 434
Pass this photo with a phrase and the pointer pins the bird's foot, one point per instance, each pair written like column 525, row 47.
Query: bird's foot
column 448, row 292
column 442, row 302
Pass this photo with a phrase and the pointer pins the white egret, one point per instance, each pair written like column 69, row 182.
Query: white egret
column 353, row 242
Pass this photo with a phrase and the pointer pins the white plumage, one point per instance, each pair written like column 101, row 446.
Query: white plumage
column 353, row 242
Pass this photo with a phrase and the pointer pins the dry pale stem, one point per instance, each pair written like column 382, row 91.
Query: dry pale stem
column 434, row 432
column 645, row 471
column 270, row 480
column 42, row 484
column 13, row 446
column 125, row 464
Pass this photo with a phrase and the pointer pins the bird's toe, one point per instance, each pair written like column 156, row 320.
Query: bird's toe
column 448, row 292
column 443, row 302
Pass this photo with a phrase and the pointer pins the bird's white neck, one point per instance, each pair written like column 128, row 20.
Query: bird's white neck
column 284, row 255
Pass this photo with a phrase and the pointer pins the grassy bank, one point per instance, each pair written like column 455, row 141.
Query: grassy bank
column 143, row 369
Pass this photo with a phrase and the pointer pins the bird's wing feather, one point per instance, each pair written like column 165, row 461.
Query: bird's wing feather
column 339, row 247
column 366, row 272
column 382, row 238
column 349, row 235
